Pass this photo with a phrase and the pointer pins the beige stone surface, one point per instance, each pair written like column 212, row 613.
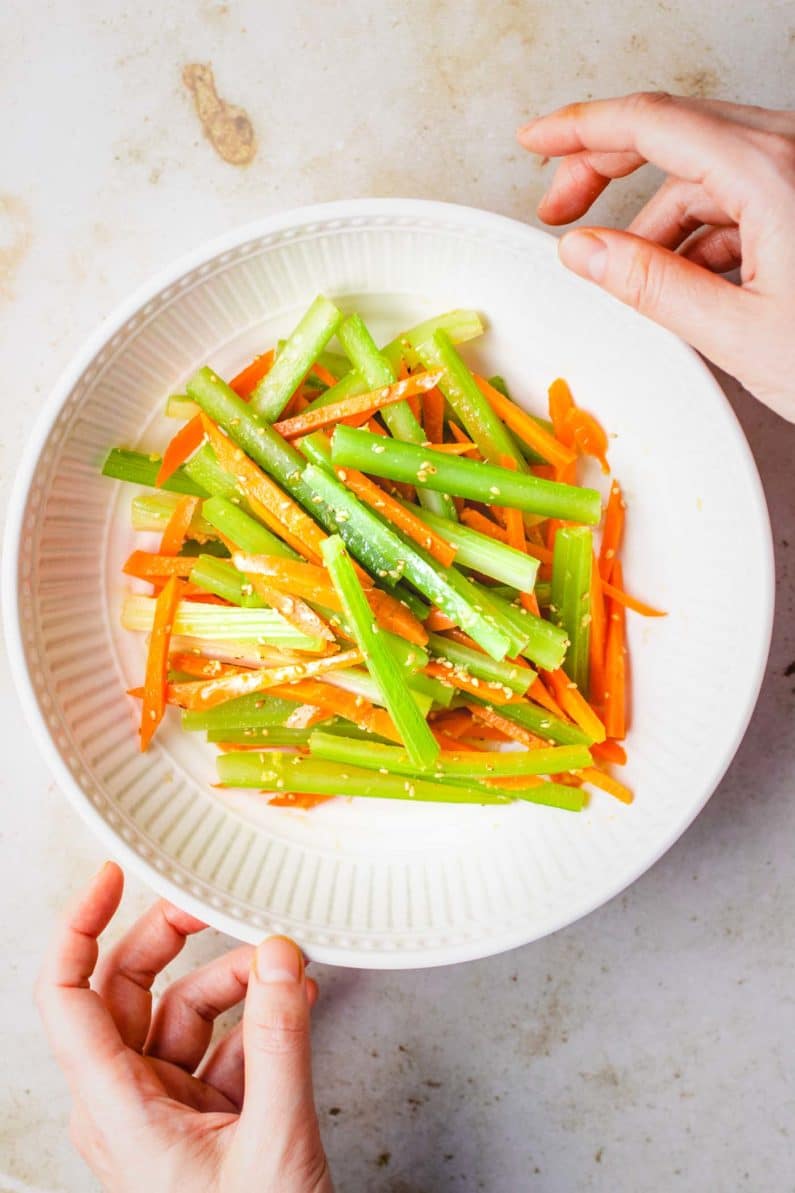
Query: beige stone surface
column 643, row 1049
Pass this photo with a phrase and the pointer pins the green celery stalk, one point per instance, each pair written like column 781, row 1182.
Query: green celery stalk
column 458, row 764
column 266, row 735
column 354, row 448
column 376, row 370
column 506, row 675
column 298, row 354
column 140, row 469
column 244, row 531
column 220, row 623
column 204, row 469
column 316, row 448
column 458, row 385
column 224, row 580
column 444, row 587
column 254, row 711
column 152, row 511
column 543, row 642
column 571, row 597
column 436, row 691
column 361, row 683
column 285, row 772
column 541, row 722
column 485, row 555
column 335, row 362
column 180, row 406
column 379, row 659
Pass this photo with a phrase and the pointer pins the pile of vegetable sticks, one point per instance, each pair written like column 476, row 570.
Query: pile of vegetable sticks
column 377, row 576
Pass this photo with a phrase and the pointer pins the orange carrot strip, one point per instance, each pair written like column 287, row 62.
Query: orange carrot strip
column 143, row 565
column 343, row 704
column 359, row 406
column 458, row 677
column 433, row 415
column 294, row 610
column 574, row 704
column 615, row 698
column 247, row 379
column 393, row 615
column 454, row 449
column 437, row 621
column 612, row 531
column 511, row 730
column 528, row 430
column 213, row 692
column 609, row 751
column 290, row 799
column 178, row 525
column 539, row 695
column 546, row 472
column 599, row 779
column 624, row 598
column 477, row 521
column 589, row 437
column 270, row 503
column 453, row 722
column 156, row 677
column 184, row 444
column 448, row 742
column 514, row 528
column 397, row 515
column 516, row 782
column 323, row 374
column 472, row 450
column 561, row 405
column 202, row 667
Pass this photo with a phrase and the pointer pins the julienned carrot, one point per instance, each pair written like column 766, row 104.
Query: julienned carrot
column 615, row 698
column 292, row 799
column 271, row 504
column 457, row 677
column 143, row 565
column 393, row 615
column 574, row 704
column 477, row 521
column 561, row 403
column 247, row 379
column 155, row 681
column 511, row 730
column 294, row 610
column 453, row 449
column 358, row 408
column 623, row 598
column 472, row 449
column 433, row 415
column 539, row 694
column 610, row 751
column 514, row 528
column 210, row 693
column 323, row 374
column 343, row 704
column 527, row 429
column 187, row 439
column 436, row 621
column 201, row 667
column 397, row 515
column 453, row 722
column 598, row 639
column 178, row 525
column 598, row 778
column 611, row 531
column 575, row 427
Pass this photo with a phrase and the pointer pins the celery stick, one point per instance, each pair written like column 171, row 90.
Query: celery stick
column 152, row 511
column 254, row 711
column 220, row 623
column 507, row 675
column 224, row 580
column 244, row 531
column 265, row 735
column 204, row 469
column 571, row 597
column 485, row 555
column 299, row 353
column 140, row 469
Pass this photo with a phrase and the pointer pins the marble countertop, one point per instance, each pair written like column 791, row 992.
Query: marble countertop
column 643, row 1048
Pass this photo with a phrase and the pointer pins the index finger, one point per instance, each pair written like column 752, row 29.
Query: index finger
column 676, row 134
column 82, row 1034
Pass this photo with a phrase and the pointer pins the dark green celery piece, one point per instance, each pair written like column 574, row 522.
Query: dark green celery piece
column 140, row 469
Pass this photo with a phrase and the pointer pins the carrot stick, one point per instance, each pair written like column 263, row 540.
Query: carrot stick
column 457, row 677
column 453, row 449
column 516, row 782
column 202, row 667
column 433, row 415
column 539, row 695
column 599, row 779
column 294, row 610
column 472, row 450
column 247, row 379
column 210, row 693
column 343, row 704
column 574, row 704
column 155, row 681
column 528, row 430
column 178, row 525
column 623, row 598
column 359, row 407
column 184, row 444
column 323, row 374
column 397, row 515
column 436, row 621
column 448, row 742
column 514, row 528
column 142, row 565
column 561, row 405
column 511, row 730
column 477, row 521
column 612, row 531
column 271, row 504
column 290, row 799
column 454, row 722
column 615, row 700
column 609, row 751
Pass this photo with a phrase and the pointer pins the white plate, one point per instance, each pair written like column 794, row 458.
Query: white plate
column 366, row 883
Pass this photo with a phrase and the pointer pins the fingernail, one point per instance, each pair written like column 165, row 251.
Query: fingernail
column 585, row 254
column 278, row 959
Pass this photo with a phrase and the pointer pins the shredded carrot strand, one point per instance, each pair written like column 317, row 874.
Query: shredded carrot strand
column 539, row 695
column 457, row 677
column 472, row 452
column 144, row 566
column 323, row 374
column 397, row 515
column 609, row 751
column 477, row 521
column 210, row 693
column 294, row 610
column 156, row 676
column 528, row 430
column 184, row 444
column 574, row 704
column 598, row 778
column 511, row 730
column 598, row 639
column 359, row 407
column 612, row 531
column 290, row 799
column 202, row 667
column 633, row 603
column 433, row 415
column 249, row 378
column 615, row 699
column 343, row 704
column 178, row 525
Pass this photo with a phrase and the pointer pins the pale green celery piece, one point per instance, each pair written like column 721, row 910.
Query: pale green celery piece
column 221, row 623
column 245, row 532
column 152, row 511
column 298, row 354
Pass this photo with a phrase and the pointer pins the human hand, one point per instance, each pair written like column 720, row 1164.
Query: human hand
column 148, row 1115
column 731, row 183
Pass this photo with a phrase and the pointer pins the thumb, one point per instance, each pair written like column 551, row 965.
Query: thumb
column 278, row 1130
column 706, row 310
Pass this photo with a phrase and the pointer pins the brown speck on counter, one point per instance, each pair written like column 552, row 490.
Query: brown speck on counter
column 15, row 238
column 384, row 1159
column 226, row 126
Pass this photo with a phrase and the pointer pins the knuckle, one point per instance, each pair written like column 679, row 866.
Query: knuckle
column 644, row 279
column 646, row 101
column 780, row 148
column 281, row 1031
